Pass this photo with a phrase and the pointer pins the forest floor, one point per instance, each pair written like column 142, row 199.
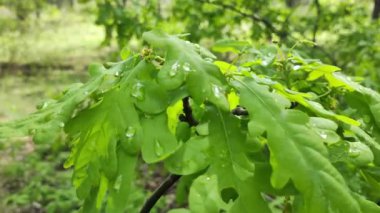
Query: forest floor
column 38, row 60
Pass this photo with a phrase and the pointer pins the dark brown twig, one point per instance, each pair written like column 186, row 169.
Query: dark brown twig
column 316, row 23
column 171, row 179
column 188, row 113
column 252, row 16
column 240, row 111
column 161, row 190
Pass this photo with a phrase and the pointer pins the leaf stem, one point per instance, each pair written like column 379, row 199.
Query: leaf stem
column 159, row 192
column 171, row 179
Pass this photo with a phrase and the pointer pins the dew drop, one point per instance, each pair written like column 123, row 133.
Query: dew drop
column 323, row 135
column 130, row 133
column 296, row 67
column 61, row 124
column 117, row 74
column 158, row 149
column 137, row 91
column 43, row 105
column 223, row 154
column 209, row 60
column 186, row 67
column 118, row 182
column 174, row 69
column 354, row 151
column 86, row 92
column 216, row 90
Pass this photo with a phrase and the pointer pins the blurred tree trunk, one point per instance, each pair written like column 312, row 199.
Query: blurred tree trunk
column 38, row 8
column 72, row 3
column 376, row 10
column 291, row 3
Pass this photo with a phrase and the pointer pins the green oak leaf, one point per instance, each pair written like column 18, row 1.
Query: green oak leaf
column 295, row 151
column 203, row 79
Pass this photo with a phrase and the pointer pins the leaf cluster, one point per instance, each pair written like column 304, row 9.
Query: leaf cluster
column 269, row 126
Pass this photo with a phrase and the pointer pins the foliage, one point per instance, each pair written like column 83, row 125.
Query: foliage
column 337, row 28
column 24, row 8
column 39, row 181
column 268, row 125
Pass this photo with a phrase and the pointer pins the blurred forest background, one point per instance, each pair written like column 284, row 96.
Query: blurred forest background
column 48, row 44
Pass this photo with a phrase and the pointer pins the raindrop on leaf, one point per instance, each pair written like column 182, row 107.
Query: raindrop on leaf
column 130, row 133
column 296, row 67
column 216, row 90
column 174, row 69
column 158, row 149
column 355, row 149
column 323, row 135
column 209, row 60
column 138, row 91
column 186, row 67
column 43, row 105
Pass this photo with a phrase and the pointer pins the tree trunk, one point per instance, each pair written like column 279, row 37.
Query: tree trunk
column 376, row 9
column 291, row 3
column 72, row 3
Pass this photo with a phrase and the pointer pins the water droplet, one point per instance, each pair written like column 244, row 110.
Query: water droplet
column 61, row 124
column 209, row 60
column 158, row 149
column 118, row 182
column 174, row 69
column 86, row 92
column 186, row 67
column 43, row 105
column 138, row 91
column 323, row 135
column 208, row 178
column 223, row 154
column 130, row 133
column 117, row 74
column 354, row 151
column 216, row 90
column 296, row 67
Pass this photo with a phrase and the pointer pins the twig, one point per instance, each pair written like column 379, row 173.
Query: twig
column 281, row 33
column 161, row 190
column 239, row 111
column 188, row 113
column 171, row 179
column 316, row 24
column 252, row 16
